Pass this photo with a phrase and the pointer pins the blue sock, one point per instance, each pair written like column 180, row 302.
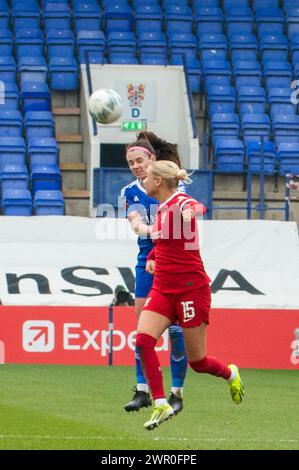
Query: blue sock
column 178, row 358
column 140, row 379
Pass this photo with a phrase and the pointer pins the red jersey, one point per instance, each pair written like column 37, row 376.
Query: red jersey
column 178, row 264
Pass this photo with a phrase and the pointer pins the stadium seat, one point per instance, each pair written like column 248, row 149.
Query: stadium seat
column 60, row 43
column 4, row 15
column 148, row 17
column 64, row 75
column 12, row 150
column 295, row 48
column 29, row 42
column 208, row 20
column 48, row 203
column 274, row 47
column 14, row 176
column 57, row 16
column 288, row 156
column 193, row 71
column 179, row 19
column 277, row 74
column 39, row 124
column 118, row 17
column 25, row 15
column 90, row 41
column 183, row 44
column 35, row 96
column 227, row 4
column 45, row 177
column 269, row 4
column 11, row 123
column 255, row 126
column 121, row 41
column 8, row 69
column 239, row 20
column 243, row 47
column 280, row 101
column 212, row 46
column 261, row 157
column 124, row 58
column 153, row 59
column 216, row 72
column 9, row 95
column 221, row 99
column 42, row 151
column 6, row 42
column 17, row 202
column 87, row 16
column 251, row 100
column 224, row 126
column 285, row 128
column 229, row 154
column 292, row 20
column 152, row 43
column 32, row 69
column 247, row 72
column 269, row 21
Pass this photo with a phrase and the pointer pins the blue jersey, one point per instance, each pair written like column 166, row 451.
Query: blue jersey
column 136, row 199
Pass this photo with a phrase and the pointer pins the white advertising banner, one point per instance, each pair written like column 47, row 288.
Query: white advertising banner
column 80, row 261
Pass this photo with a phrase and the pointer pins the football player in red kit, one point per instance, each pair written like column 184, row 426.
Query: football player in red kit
column 180, row 291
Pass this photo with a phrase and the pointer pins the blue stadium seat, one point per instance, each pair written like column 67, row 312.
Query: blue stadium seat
column 125, row 58
column 152, row 59
column 216, row 72
column 32, row 69
column 64, row 74
column 227, row 4
column 25, row 15
column 87, row 16
column 277, row 74
column 295, row 48
column 221, row 99
column 208, row 20
column 29, row 42
column 42, row 151
column 11, row 123
column 45, row 177
column 289, row 4
column 205, row 3
column 17, row 202
column 6, row 41
column 270, row 21
column 261, row 157
column 224, row 126
column 256, row 4
column 212, row 46
column 193, row 71
column 288, row 155
column 280, row 101
column 274, row 47
column 8, row 69
column 9, row 95
column 247, row 72
column 121, row 41
column 60, row 43
column 243, row 47
column 57, row 16
column 292, row 19
column 148, row 17
column 255, row 126
column 239, row 20
column 118, row 17
column 152, row 43
column 229, row 154
column 183, row 44
column 48, row 203
column 178, row 19
column 39, row 124
column 4, row 15
column 251, row 100
column 285, row 128
column 35, row 96
column 12, row 150
column 14, row 176
column 90, row 41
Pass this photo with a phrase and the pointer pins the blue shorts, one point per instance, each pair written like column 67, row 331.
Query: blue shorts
column 143, row 283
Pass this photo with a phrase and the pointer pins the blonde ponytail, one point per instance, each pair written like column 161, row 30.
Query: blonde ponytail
column 170, row 172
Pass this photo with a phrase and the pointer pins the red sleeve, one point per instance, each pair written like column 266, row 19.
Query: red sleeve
column 151, row 255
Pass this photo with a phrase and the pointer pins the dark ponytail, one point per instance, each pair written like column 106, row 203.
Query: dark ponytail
column 161, row 148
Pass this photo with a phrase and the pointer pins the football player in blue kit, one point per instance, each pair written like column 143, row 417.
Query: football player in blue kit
column 141, row 209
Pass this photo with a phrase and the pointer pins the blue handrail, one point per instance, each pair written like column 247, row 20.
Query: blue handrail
column 189, row 94
column 89, row 82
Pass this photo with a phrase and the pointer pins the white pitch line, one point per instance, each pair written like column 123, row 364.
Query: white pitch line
column 119, row 438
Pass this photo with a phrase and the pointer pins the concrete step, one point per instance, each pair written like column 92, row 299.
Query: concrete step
column 67, row 120
column 76, row 202
column 73, row 175
column 63, row 99
column 71, row 147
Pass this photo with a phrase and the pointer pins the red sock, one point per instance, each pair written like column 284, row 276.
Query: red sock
column 211, row 365
column 150, row 364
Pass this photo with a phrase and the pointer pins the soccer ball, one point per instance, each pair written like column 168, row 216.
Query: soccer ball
column 105, row 105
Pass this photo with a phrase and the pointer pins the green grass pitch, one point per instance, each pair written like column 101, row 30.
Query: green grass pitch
column 63, row 407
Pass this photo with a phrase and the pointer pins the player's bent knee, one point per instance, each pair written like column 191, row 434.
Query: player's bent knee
column 199, row 366
column 144, row 341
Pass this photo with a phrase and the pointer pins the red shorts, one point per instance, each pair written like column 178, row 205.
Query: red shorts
column 189, row 309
